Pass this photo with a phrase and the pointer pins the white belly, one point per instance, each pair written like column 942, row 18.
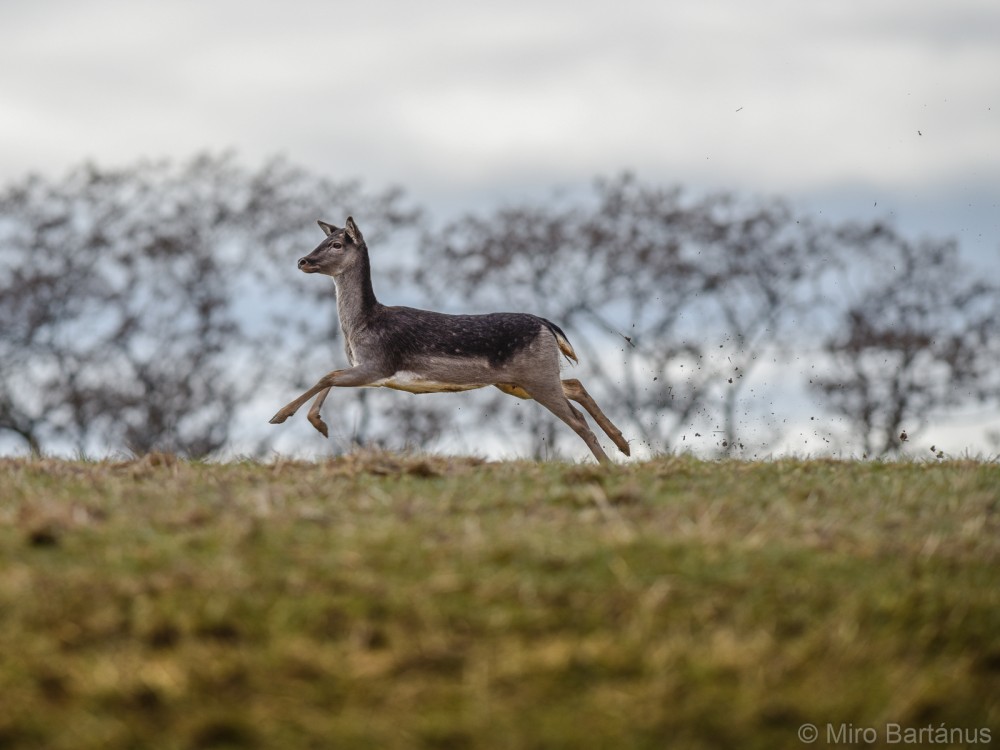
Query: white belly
column 413, row 382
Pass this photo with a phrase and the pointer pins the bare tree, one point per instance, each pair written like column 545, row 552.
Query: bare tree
column 673, row 298
column 140, row 308
column 138, row 304
column 921, row 332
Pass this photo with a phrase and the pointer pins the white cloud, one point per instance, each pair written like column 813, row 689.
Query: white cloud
column 780, row 96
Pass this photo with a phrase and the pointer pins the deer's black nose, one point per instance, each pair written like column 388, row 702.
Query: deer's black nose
column 307, row 266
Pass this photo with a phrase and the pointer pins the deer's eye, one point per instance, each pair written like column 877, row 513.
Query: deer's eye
column 337, row 246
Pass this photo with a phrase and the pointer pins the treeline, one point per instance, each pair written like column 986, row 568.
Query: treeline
column 152, row 307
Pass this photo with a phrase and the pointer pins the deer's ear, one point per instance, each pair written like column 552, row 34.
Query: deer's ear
column 328, row 229
column 353, row 233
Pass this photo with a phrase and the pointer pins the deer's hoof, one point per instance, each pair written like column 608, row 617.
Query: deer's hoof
column 320, row 425
column 278, row 418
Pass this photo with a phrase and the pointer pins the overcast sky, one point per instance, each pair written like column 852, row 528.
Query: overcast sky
column 839, row 105
column 882, row 108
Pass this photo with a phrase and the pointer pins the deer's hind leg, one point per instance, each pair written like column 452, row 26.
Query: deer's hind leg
column 556, row 402
column 574, row 389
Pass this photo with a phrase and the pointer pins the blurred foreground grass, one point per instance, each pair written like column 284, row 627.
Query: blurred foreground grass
column 395, row 602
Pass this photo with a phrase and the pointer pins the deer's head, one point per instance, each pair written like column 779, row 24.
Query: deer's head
column 341, row 250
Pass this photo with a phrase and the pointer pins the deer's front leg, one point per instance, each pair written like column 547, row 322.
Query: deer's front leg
column 350, row 378
column 314, row 418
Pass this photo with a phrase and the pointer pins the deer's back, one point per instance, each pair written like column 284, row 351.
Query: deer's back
column 408, row 336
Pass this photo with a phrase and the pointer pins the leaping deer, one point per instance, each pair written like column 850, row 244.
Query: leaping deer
column 428, row 352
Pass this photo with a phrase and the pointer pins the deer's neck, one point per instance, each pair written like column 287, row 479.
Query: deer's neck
column 356, row 301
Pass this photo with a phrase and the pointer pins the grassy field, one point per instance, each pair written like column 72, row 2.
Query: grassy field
column 395, row 602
